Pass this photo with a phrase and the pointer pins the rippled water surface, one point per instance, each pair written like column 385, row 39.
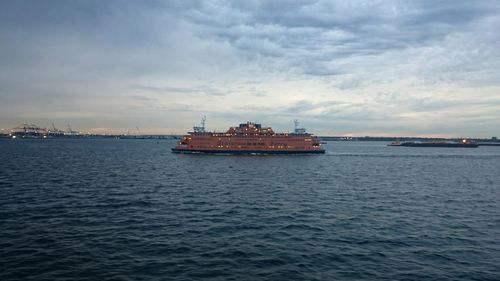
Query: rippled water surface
column 130, row 210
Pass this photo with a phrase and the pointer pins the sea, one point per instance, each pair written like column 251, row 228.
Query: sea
column 125, row 209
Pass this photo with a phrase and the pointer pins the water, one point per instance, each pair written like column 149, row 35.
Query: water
column 131, row 210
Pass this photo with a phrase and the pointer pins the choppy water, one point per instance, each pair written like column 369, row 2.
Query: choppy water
column 131, row 210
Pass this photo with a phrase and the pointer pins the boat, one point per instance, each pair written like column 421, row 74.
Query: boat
column 34, row 131
column 248, row 138
column 464, row 143
column 30, row 131
column 395, row 143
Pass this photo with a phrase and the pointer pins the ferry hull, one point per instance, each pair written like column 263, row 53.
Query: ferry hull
column 246, row 152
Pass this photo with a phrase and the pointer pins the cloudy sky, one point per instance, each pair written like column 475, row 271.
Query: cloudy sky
column 413, row 68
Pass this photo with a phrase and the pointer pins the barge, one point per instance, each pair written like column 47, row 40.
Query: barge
column 464, row 143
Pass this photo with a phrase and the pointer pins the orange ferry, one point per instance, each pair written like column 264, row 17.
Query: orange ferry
column 248, row 138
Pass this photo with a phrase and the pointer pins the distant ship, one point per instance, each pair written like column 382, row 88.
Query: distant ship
column 248, row 138
column 464, row 143
column 37, row 132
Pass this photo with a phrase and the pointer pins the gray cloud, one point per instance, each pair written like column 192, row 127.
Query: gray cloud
column 203, row 90
column 274, row 60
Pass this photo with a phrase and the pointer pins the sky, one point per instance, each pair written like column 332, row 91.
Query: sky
column 378, row 68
